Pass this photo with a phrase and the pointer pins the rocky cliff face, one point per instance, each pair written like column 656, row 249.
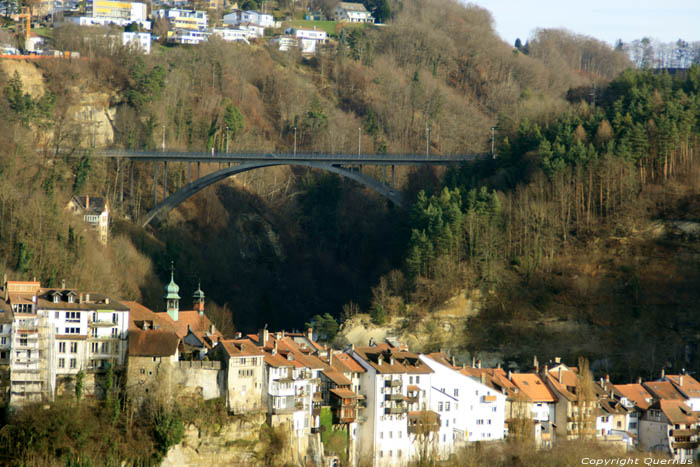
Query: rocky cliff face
column 231, row 444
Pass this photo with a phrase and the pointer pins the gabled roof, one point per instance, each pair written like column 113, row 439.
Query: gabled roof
column 138, row 314
column 156, row 343
column 190, row 320
column 532, row 386
column 241, row 348
column 336, row 377
column 677, row 412
column 349, row 362
column 690, row 387
column 352, row 7
column 635, row 393
column 663, row 390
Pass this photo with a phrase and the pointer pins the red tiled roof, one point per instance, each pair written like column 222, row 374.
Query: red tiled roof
column 190, row 320
column 635, row 393
column 677, row 412
column 337, row 377
column 349, row 362
column 241, row 348
column 690, row 387
column 138, row 312
column 344, row 393
column 532, row 386
column 663, row 390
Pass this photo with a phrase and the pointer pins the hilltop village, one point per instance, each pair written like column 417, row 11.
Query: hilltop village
column 392, row 405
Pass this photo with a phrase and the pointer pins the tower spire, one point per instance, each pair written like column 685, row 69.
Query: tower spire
column 172, row 297
column 199, row 298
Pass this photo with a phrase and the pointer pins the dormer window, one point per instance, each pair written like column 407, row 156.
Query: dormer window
column 56, row 298
column 71, row 298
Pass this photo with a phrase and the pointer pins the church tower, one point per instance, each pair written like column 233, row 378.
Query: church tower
column 172, row 298
column 199, row 299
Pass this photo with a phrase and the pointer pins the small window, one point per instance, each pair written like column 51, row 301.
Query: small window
column 73, row 363
column 143, row 371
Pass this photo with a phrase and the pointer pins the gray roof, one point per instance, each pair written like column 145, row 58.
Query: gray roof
column 353, row 7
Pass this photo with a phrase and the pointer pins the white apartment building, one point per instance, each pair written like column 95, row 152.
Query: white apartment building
column 309, row 39
column 184, row 36
column 254, row 17
column 106, row 12
column 190, row 20
column 138, row 40
column 396, row 384
column 94, row 209
column 56, row 333
column 469, row 409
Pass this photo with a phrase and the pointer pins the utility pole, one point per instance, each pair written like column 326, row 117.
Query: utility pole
column 295, row 141
column 493, row 140
column 359, row 141
column 427, row 140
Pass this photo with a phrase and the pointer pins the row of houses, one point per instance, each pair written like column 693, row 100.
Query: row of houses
column 394, row 405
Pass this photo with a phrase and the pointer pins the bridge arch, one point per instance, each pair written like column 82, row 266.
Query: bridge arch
column 198, row 185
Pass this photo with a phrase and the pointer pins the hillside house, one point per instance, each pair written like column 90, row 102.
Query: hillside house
column 352, row 13
column 670, row 426
column 94, row 211
column 243, row 366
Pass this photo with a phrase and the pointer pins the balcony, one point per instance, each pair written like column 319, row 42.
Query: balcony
column 394, row 397
column 317, row 429
column 395, row 410
column 685, row 445
column 686, row 432
column 101, row 324
column 283, row 410
column 394, row 383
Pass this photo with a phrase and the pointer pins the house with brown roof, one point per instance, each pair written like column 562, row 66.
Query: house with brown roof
column 243, row 366
column 670, row 426
column 636, row 400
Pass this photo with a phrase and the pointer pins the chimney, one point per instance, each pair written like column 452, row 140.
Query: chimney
column 352, row 347
column 262, row 337
column 680, row 380
column 87, row 203
column 557, row 360
column 310, row 334
column 545, row 370
column 106, row 300
column 510, row 375
column 478, row 363
column 473, row 362
column 274, row 348
column 639, row 380
column 87, row 298
column 63, row 283
column 80, row 298
column 607, row 378
column 560, row 378
column 499, row 365
column 238, row 335
column 482, row 377
column 380, row 360
column 278, row 335
column 212, row 329
column 663, row 374
column 330, row 357
column 453, row 361
column 536, row 364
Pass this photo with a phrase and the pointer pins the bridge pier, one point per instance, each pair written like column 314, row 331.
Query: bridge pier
column 155, row 183
column 198, row 175
column 189, row 172
column 165, row 179
column 131, row 182
column 393, row 179
column 121, row 184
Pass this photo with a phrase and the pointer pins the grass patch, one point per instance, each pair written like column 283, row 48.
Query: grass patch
column 328, row 26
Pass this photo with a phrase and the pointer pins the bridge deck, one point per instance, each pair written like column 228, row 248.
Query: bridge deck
column 277, row 158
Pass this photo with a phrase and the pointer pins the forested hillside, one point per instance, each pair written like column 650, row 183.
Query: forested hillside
column 552, row 230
